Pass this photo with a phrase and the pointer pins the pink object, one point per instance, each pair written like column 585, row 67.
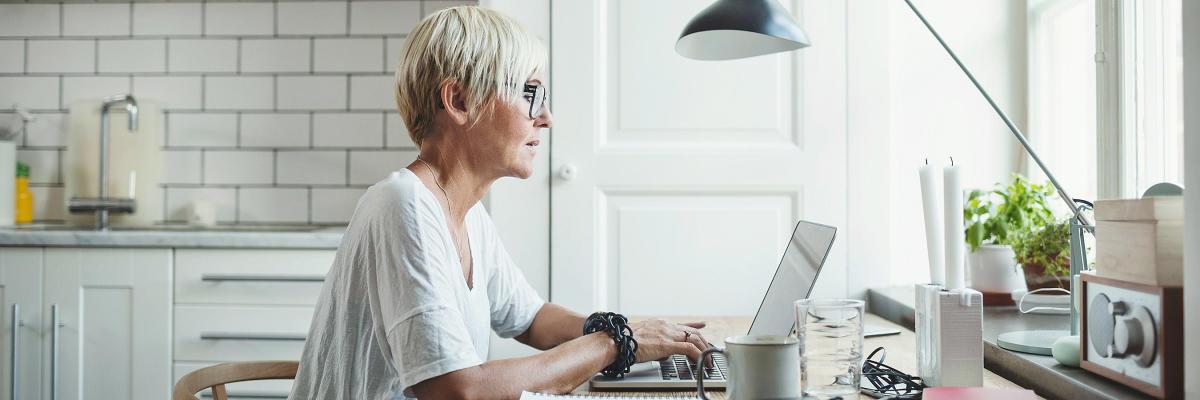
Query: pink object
column 977, row 393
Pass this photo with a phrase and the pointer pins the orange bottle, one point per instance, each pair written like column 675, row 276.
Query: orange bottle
column 24, row 199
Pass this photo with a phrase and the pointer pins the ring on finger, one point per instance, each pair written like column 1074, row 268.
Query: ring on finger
column 686, row 335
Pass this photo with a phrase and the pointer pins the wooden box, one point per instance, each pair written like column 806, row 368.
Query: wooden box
column 1140, row 240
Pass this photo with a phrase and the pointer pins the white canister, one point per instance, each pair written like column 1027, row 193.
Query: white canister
column 8, row 182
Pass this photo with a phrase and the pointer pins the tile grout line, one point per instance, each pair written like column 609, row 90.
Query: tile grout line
column 203, row 18
column 203, row 159
column 25, row 67
column 165, row 193
column 62, row 19
column 60, row 166
column 166, row 128
column 310, row 205
column 238, row 130
column 237, row 204
column 238, row 67
column 96, row 56
column 203, row 92
column 347, row 166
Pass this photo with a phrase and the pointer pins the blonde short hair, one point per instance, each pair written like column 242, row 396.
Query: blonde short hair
column 488, row 54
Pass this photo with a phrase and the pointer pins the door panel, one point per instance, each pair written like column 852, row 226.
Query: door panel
column 21, row 285
column 662, row 237
column 114, row 323
column 688, row 174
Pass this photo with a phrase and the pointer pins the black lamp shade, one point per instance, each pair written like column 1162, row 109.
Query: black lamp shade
column 730, row 29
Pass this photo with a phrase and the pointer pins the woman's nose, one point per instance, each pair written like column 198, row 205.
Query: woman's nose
column 545, row 119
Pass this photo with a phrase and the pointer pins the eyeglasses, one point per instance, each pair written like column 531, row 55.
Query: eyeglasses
column 537, row 95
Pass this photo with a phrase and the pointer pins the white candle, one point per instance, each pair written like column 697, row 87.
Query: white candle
column 955, row 237
column 931, row 197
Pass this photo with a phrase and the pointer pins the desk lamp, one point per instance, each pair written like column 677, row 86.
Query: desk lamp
column 731, row 29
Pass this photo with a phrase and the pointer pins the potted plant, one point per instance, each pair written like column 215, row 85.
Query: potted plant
column 994, row 219
column 1045, row 256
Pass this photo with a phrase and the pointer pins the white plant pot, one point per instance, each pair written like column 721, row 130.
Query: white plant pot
column 994, row 268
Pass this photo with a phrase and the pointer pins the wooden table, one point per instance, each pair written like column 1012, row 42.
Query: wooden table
column 901, row 354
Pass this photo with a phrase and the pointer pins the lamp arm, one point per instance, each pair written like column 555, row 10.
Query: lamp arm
column 1007, row 122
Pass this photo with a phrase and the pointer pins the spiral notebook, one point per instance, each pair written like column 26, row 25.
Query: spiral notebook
column 543, row 396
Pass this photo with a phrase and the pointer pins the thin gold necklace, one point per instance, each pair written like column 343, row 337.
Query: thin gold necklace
column 449, row 210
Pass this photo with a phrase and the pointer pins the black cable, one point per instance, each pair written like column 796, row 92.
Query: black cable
column 888, row 382
column 617, row 326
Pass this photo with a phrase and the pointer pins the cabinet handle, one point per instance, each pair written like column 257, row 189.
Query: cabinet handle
column 285, row 337
column 14, row 356
column 261, row 278
column 249, row 395
column 54, row 324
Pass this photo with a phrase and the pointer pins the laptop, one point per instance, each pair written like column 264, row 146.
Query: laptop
column 793, row 280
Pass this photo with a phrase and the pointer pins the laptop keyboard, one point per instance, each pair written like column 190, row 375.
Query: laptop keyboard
column 678, row 367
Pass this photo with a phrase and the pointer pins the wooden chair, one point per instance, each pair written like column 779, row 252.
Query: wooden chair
column 217, row 376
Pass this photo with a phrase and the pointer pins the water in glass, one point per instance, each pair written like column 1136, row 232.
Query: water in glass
column 831, row 342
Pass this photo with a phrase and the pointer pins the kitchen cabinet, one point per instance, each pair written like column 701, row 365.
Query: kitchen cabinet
column 90, row 322
column 244, row 305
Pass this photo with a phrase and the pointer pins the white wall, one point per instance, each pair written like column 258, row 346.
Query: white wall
column 868, row 235
column 1191, row 257
column 936, row 112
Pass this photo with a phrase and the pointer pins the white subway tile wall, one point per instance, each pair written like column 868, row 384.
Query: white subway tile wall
column 277, row 112
column 149, row 55
column 30, row 20
column 108, row 19
column 172, row 92
column 167, row 18
column 14, row 56
column 273, row 205
column 61, row 56
column 85, row 88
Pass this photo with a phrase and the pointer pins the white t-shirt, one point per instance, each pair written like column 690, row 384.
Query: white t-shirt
column 395, row 309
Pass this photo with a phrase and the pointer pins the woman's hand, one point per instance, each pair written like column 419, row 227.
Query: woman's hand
column 658, row 339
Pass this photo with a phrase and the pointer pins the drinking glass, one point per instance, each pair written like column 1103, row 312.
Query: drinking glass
column 831, row 343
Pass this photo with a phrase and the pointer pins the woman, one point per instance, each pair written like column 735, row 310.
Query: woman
column 421, row 275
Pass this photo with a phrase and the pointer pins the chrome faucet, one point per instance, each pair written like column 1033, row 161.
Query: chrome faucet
column 103, row 205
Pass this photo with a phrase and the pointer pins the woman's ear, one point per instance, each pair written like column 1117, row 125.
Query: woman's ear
column 453, row 100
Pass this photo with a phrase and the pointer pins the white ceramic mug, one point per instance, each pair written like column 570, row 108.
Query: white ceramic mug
column 760, row 367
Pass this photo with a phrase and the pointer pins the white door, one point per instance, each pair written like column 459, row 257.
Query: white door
column 674, row 177
column 21, row 291
column 113, row 335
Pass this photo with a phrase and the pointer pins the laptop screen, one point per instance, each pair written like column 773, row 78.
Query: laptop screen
column 794, row 278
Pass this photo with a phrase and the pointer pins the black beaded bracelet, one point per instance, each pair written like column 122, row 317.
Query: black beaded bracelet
column 617, row 326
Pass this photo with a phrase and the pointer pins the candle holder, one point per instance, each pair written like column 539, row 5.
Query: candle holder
column 949, row 336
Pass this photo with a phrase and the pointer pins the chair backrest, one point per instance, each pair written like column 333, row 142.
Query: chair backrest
column 217, row 376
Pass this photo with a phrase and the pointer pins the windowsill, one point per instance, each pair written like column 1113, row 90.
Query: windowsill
column 1040, row 373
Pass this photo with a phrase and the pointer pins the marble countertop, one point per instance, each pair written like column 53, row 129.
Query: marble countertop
column 229, row 236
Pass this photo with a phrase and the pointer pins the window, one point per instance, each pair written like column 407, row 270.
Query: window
column 1062, row 93
column 1105, row 94
column 1141, row 75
